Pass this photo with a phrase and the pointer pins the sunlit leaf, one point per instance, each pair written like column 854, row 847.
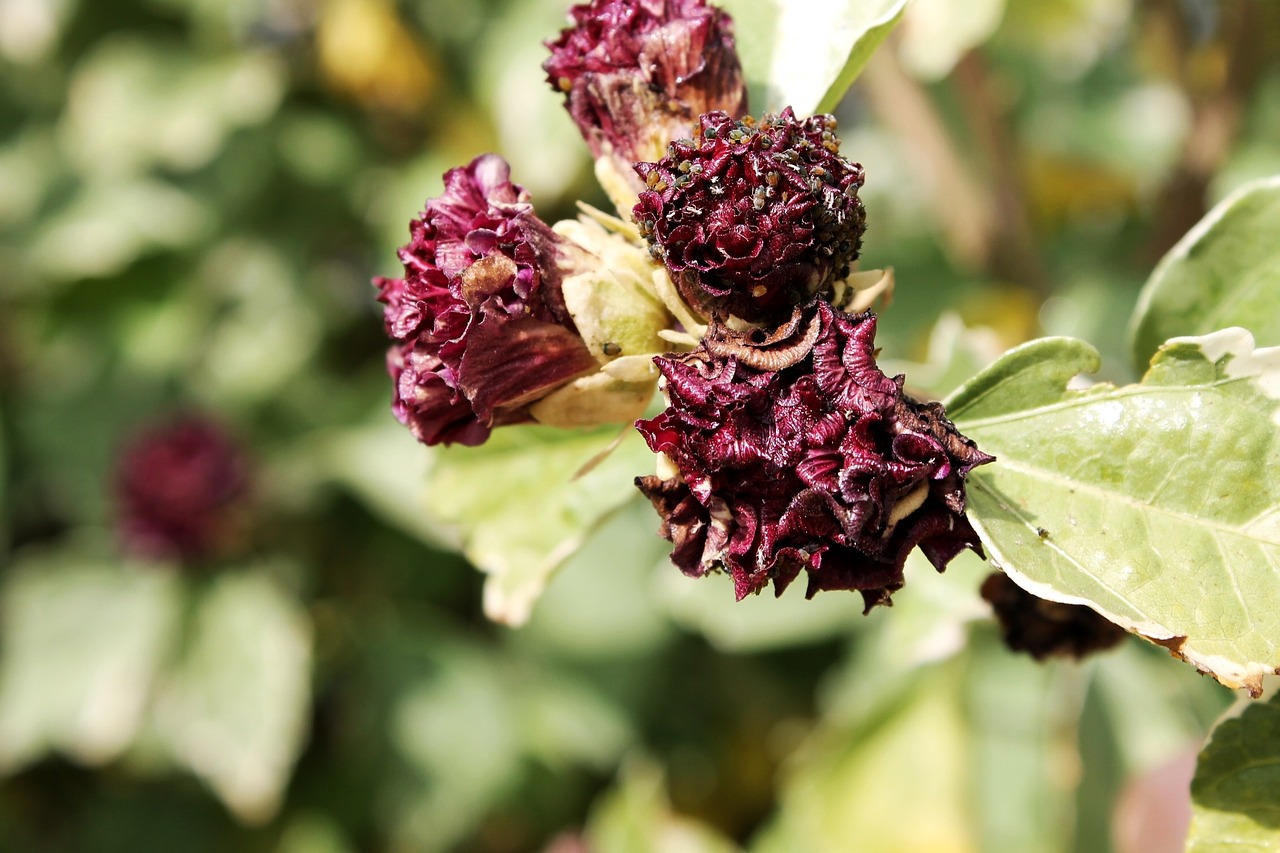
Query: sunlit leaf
column 1224, row 272
column 110, row 224
column 236, row 705
column 385, row 468
column 1235, row 795
column 806, row 53
column 134, row 104
column 81, row 642
column 896, row 784
column 936, row 33
column 1155, row 504
column 459, row 730
column 520, row 509
column 537, row 135
column 603, row 603
column 4, row 496
column 974, row 752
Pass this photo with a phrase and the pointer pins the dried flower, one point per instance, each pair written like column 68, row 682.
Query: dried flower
column 753, row 219
column 793, row 451
column 479, row 322
column 636, row 74
column 179, row 488
column 1043, row 628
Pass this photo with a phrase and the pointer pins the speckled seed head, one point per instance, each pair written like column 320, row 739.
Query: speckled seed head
column 753, row 218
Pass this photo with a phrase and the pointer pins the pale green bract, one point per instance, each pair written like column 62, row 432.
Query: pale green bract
column 1155, row 504
column 806, row 53
column 1233, row 795
column 236, row 704
column 520, row 508
column 81, row 643
column 1224, row 272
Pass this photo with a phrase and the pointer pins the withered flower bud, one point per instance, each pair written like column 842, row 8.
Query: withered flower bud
column 753, row 218
column 794, row 453
column 1043, row 628
column 636, row 74
column 479, row 323
column 179, row 490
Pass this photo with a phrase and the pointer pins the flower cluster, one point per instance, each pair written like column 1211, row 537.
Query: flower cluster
column 636, row 74
column 793, row 451
column 783, row 447
column 179, row 486
column 479, row 321
column 753, row 218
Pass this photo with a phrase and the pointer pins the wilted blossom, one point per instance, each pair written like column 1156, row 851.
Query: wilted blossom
column 793, row 451
column 179, row 489
column 1044, row 628
column 753, row 218
column 636, row 74
column 479, row 321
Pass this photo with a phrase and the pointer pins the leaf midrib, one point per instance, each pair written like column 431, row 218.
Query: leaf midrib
column 1135, row 503
column 1096, row 394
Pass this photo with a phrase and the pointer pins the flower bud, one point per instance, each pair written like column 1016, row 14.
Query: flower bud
column 480, row 327
column 795, row 452
column 179, row 489
column 1043, row 628
column 636, row 74
column 753, row 219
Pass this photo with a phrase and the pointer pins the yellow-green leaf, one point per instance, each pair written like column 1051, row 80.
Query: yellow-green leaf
column 521, row 510
column 1224, row 272
column 806, row 53
column 1156, row 504
column 1235, row 795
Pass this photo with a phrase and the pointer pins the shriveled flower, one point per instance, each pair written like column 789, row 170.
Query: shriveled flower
column 793, row 451
column 480, row 327
column 636, row 74
column 753, row 218
column 179, row 489
column 1045, row 629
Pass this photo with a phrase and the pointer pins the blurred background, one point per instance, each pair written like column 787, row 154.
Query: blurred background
column 194, row 196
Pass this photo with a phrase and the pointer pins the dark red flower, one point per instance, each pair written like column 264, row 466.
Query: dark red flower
column 1045, row 629
column 179, row 489
column 795, row 452
column 479, row 321
column 753, row 219
column 636, row 74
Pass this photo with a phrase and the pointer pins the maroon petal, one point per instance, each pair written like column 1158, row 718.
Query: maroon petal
column 805, row 457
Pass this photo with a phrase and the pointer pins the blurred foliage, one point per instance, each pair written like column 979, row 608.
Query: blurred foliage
column 194, row 195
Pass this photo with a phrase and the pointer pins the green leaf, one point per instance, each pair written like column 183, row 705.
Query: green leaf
column 521, row 510
column 806, row 54
column 863, row 788
column 1154, row 504
column 82, row 640
column 603, row 604
column 636, row 817
column 4, row 483
column 975, row 752
column 235, row 707
column 1224, row 272
column 459, row 730
column 937, row 33
column 1235, row 795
